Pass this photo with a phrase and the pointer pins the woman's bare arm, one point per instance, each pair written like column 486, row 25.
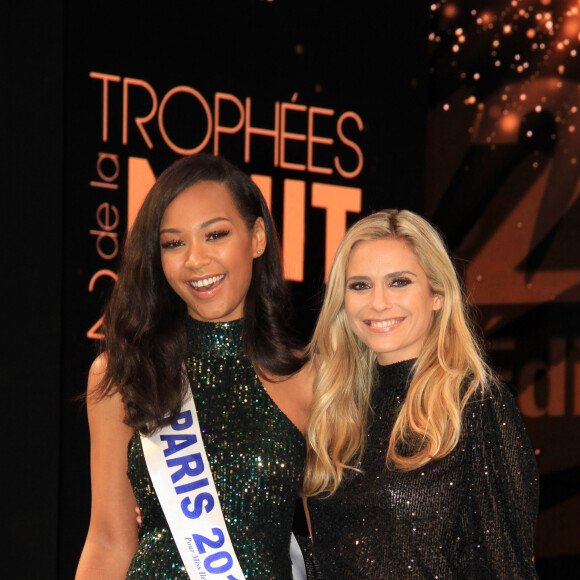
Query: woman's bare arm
column 112, row 537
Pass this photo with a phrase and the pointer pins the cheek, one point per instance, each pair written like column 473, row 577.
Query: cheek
column 427, row 318
column 169, row 271
column 243, row 263
column 351, row 308
column 348, row 308
column 166, row 267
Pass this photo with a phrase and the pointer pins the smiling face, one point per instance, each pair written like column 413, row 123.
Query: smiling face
column 207, row 251
column 388, row 301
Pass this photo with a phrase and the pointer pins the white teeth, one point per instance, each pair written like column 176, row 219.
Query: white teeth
column 383, row 323
column 207, row 281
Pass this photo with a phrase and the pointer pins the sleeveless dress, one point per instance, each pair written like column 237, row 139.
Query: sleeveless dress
column 256, row 455
column 470, row 515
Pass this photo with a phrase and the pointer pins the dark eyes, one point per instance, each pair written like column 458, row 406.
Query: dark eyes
column 217, row 235
column 394, row 283
column 210, row 236
column 171, row 244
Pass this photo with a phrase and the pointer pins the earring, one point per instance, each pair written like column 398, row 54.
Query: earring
column 260, row 250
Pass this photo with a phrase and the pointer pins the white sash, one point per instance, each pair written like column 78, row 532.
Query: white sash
column 180, row 471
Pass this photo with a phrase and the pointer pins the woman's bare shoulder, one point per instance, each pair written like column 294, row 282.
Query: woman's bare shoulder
column 96, row 375
column 104, row 402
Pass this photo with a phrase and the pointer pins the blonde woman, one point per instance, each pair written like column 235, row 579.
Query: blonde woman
column 418, row 464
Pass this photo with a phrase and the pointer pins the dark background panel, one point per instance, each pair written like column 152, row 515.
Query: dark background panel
column 31, row 137
column 429, row 145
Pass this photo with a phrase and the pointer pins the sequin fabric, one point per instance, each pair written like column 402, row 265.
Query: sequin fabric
column 470, row 515
column 256, row 456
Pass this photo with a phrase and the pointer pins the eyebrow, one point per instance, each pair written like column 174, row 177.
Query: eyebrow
column 401, row 273
column 201, row 226
column 390, row 276
column 212, row 221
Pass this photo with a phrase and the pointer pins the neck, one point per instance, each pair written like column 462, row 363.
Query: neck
column 396, row 373
column 221, row 338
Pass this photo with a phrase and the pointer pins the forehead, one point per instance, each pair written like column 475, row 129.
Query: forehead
column 384, row 255
column 201, row 202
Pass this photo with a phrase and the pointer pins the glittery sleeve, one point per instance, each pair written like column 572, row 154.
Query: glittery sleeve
column 506, row 480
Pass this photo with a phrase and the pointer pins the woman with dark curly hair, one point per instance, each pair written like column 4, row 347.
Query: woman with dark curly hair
column 200, row 381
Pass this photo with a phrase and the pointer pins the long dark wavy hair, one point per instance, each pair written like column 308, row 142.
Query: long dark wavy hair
column 145, row 338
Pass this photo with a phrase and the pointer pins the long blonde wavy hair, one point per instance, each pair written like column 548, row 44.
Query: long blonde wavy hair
column 449, row 370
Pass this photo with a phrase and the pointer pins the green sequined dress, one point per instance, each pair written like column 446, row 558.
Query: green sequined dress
column 256, row 455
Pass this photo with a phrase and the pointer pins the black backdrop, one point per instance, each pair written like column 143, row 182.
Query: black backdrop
column 32, row 101
column 64, row 182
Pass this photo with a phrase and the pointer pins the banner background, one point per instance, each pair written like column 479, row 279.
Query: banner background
column 432, row 140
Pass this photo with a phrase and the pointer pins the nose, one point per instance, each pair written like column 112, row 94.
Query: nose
column 381, row 299
column 197, row 256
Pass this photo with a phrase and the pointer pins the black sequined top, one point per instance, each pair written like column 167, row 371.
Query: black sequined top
column 470, row 515
column 256, row 455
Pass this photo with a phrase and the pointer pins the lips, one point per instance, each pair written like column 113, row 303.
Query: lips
column 383, row 325
column 206, row 284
